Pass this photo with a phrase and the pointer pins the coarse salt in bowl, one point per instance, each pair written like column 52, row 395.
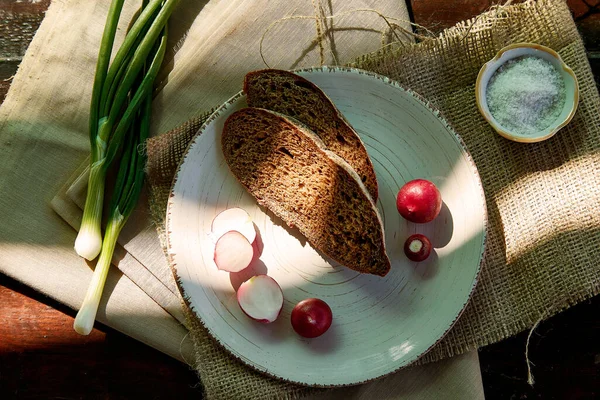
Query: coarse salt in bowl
column 528, row 134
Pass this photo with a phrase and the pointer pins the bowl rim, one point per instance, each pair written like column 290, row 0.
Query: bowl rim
column 486, row 114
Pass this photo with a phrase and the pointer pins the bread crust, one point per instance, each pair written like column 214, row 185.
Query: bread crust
column 290, row 94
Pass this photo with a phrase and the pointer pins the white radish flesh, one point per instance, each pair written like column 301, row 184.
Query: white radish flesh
column 233, row 252
column 261, row 298
column 233, row 219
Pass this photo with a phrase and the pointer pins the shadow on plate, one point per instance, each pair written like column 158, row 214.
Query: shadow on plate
column 326, row 343
column 257, row 267
column 429, row 268
column 444, row 228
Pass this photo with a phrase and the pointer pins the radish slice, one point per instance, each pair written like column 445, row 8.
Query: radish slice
column 260, row 298
column 233, row 219
column 233, row 252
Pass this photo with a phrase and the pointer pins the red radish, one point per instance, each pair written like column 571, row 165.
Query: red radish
column 311, row 318
column 233, row 252
column 260, row 298
column 233, row 219
column 417, row 247
column 419, row 201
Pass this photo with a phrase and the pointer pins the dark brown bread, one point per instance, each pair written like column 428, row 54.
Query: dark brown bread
column 289, row 171
column 291, row 94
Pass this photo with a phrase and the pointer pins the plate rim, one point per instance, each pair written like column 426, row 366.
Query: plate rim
column 216, row 112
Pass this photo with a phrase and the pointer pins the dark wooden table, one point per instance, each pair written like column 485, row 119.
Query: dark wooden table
column 42, row 357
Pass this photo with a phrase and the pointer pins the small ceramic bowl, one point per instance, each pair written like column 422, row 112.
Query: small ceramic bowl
column 528, row 49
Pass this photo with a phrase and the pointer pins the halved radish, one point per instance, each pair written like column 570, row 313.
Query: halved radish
column 233, row 252
column 261, row 298
column 417, row 247
column 233, row 219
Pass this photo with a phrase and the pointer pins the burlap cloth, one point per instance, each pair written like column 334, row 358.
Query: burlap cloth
column 543, row 199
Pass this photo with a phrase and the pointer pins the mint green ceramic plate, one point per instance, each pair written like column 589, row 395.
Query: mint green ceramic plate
column 380, row 324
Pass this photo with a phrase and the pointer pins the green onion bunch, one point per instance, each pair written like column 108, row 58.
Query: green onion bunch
column 119, row 125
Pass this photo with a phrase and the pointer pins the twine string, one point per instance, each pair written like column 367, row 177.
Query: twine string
column 393, row 31
column 394, row 28
column 530, row 378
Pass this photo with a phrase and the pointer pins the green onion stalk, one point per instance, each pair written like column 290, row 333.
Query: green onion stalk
column 111, row 114
column 119, row 126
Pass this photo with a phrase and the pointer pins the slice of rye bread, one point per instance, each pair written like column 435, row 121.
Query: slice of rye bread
column 289, row 171
column 291, row 94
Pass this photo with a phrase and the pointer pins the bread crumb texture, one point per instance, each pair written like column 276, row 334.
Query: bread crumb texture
column 290, row 94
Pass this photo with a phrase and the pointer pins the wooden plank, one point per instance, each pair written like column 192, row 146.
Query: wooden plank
column 19, row 20
column 565, row 353
column 42, row 357
column 25, row 6
column 587, row 16
column 18, row 23
column 8, row 68
column 583, row 8
column 437, row 15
